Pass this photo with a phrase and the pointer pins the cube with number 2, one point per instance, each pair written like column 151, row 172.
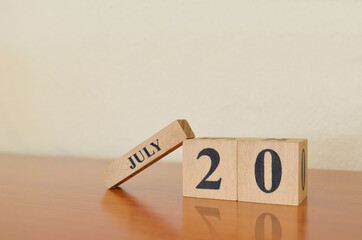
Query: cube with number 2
column 210, row 168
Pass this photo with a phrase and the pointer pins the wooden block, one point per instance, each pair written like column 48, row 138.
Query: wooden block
column 209, row 219
column 153, row 149
column 210, row 168
column 272, row 170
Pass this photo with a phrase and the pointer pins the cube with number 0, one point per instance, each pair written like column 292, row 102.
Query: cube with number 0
column 210, row 168
column 272, row 170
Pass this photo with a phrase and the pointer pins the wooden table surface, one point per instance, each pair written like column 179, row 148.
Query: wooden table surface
column 64, row 198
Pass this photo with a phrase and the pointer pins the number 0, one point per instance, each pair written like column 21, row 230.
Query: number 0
column 276, row 171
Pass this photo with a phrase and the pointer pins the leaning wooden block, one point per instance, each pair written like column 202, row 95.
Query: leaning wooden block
column 210, row 168
column 153, row 149
column 272, row 170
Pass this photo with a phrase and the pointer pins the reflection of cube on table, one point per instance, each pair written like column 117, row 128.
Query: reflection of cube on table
column 209, row 218
column 267, row 221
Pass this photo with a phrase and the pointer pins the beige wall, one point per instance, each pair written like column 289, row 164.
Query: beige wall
column 94, row 78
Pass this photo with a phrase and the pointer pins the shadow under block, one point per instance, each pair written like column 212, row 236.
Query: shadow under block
column 210, row 168
column 272, row 170
column 153, row 149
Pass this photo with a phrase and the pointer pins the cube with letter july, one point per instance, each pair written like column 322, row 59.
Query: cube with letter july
column 147, row 153
column 272, row 170
column 210, row 168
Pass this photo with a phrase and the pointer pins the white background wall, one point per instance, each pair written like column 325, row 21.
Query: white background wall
column 95, row 78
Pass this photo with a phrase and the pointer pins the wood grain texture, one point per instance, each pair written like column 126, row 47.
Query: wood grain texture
column 288, row 152
column 64, row 198
column 198, row 164
column 148, row 152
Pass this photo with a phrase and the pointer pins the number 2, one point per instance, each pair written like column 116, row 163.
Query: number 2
column 215, row 160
